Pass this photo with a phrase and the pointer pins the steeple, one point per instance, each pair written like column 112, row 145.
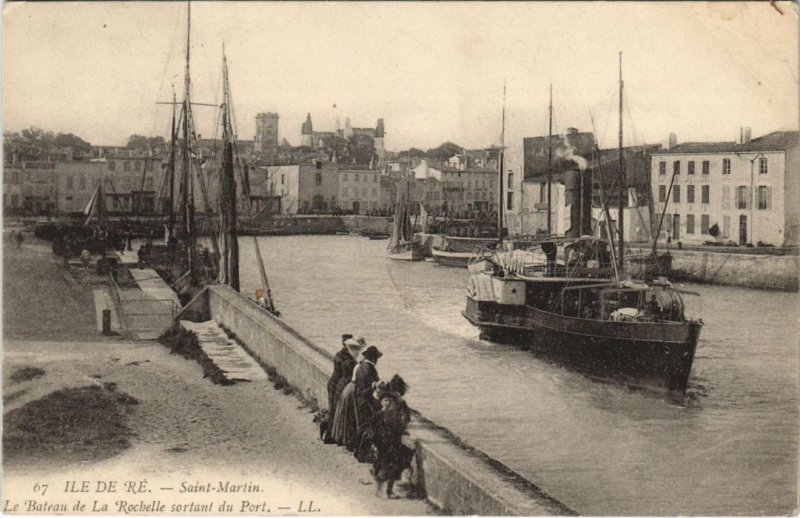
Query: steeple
column 307, row 128
column 379, row 131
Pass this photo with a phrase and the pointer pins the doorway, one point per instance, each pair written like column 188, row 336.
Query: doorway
column 742, row 229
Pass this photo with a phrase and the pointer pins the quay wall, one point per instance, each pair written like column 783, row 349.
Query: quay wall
column 455, row 477
column 772, row 272
column 381, row 224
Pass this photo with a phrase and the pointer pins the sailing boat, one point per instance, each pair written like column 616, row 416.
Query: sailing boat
column 185, row 265
column 401, row 244
column 617, row 328
column 229, row 244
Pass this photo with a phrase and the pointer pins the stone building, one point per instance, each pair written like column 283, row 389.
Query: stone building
column 266, row 131
column 746, row 191
column 306, row 188
column 359, row 190
column 461, row 190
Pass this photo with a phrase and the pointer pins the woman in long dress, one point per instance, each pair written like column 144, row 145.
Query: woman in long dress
column 353, row 410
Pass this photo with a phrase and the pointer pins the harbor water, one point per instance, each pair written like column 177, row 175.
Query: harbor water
column 731, row 448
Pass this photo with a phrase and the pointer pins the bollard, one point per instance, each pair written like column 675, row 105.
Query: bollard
column 107, row 322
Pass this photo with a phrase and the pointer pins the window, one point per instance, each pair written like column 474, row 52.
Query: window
column 676, row 167
column 762, row 165
column 356, row 177
column 344, row 177
column 374, row 178
column 82, row 182
column 676, row 194
column 726, row 227
column 691, row 167
column 112, row 165
column 705, row 166
column 148, row 184
column 726, row 166
column 318, row 179
column 662, row 193
column 726, row 197
column 282, row 178
column 318, row 164
column 662, row 168
column 543, row 192
column 69, row 182
column 126, row 166
column 510, row 201
column 690, row 223
column 137, row 166
column 764, row 195
column 704, row 224
column 149, row 166
column 741, row 197
column 705, row 194
column 689, row 193
column 510, row 180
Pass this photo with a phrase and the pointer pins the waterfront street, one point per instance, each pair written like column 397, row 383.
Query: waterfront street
column 184, row 429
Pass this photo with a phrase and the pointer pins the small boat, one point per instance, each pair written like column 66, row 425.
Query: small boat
column 459, row 251
column 401, row 244
column 377, row 237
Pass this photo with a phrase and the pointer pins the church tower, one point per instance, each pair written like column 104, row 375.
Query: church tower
column 378, row 146
column 266, row 131
column 307, row 133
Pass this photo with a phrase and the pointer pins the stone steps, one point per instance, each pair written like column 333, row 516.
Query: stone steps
column 233, row 361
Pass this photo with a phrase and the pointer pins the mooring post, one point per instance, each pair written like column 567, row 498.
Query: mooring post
column 106, row 322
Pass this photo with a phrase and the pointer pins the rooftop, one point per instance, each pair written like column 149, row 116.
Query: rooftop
column 775, row 141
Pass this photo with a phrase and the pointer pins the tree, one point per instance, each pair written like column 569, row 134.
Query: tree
column 142, row 143
column 64, row 140
column 444, row 151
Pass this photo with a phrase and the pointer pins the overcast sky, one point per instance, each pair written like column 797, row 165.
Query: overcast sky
column 433, row 71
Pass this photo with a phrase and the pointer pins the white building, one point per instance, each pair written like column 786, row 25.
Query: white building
column 748, row 190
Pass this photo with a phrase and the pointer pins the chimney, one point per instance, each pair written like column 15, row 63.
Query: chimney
column 673, row 140
column 746, row 138
column 572, row 131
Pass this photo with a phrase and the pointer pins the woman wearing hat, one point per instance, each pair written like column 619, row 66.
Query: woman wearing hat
column 353, row 409
column 344, row 362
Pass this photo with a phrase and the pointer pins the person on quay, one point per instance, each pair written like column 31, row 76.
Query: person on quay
column 392, row 457
column 365, row 378
column 350, row 417
column 343, row 364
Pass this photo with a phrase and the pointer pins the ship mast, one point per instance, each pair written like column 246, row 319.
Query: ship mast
column 501, row 165
column 549, row 162
column 187, row 178
column 228, row 189
column 621, row 180
column 171, row 173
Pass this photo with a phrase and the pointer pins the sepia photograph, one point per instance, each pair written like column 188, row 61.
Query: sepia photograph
column 371, row 258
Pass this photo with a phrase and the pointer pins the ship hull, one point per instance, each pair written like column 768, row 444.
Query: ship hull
column 405, row 253
column 652, row 355
column 452, row 259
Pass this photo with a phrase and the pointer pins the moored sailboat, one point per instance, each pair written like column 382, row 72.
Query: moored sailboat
column 401, row 243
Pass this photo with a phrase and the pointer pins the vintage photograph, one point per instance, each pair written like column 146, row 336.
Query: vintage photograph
column 400, row 258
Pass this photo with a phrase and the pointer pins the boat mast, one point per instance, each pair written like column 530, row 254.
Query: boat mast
column 502, row 156
column 228, row 194
column 173, row 140
column 549, row 162
column 188, row 180
column 621, row 180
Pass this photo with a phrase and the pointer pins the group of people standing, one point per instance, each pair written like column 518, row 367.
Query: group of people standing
column 367, row 416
